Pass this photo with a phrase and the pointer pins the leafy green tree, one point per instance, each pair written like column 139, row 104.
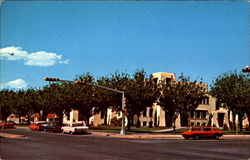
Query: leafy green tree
column 6, row 103
column 181, row 96
column 56, row 99
column 141, row 92
column 233, row 89
column 84, row 98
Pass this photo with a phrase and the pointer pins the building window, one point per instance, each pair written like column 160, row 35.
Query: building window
column 168, row 80
column 205, row 100
column 203, row 114
column 192, row 124
column 150, row 112
column 145, row 112
column 144, row 123
column 102, row 114
column 192, row 114
column 150, row 124
column 155, row 80
column 198, row 114
column 217, row 104
column 198, row 124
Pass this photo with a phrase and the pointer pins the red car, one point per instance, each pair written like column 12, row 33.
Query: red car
column 202, row 132
column 7, row 124
column 38, row 126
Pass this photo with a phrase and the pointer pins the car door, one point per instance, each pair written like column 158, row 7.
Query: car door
column 208, row 132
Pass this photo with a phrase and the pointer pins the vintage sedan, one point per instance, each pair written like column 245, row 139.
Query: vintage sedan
column 38, row 126
column 8, row 124
column 202, row 132
column 53, row 127
column 75, row 128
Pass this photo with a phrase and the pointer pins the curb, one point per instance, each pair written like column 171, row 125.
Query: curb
column 137, row 136
column 156, row 136
column 7, row 135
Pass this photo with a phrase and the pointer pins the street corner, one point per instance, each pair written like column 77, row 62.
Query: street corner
column 134, row 136
column 101, row 134
column 7, row 135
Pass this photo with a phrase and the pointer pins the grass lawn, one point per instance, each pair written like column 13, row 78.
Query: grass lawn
column 117, row 129
column 146, row 130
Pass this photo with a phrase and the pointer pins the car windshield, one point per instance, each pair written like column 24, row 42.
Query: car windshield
column 207, row 129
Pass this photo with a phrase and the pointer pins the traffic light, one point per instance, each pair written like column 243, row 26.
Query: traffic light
column 80, row 82
column 124, row 105
column 246, row 69
column 51, row 79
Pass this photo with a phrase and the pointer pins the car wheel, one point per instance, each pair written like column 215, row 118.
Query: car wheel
column 195, row 137
column 71, row 132
column 186, row 137
column 216, row 136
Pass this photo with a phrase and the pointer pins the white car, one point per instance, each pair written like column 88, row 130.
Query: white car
column 75, row 128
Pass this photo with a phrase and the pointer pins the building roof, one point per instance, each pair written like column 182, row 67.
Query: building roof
column 51, row 116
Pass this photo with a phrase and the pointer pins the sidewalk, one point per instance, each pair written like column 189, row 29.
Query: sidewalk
column 148, row 136
column 168, row 130
column 7, row 135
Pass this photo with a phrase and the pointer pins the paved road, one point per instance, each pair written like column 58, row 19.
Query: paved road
column 40, row 145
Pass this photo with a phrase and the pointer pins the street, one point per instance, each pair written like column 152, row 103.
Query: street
column 40, row 145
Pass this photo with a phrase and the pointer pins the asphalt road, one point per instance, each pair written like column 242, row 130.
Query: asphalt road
column 50, row 146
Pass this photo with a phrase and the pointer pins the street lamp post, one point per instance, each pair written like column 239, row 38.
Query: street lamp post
column 122, row 132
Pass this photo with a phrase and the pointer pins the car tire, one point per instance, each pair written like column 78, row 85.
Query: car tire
column 195, row 137
column 186, row 137
column 71, row 133
column 216, row 136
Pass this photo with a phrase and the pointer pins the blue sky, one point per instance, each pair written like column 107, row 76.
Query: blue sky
column 66, row 38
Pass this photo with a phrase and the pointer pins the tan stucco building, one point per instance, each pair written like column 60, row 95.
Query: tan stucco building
column 207, row 113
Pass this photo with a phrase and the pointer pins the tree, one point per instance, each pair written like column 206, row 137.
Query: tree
column 233, row 90
column 6, row 103
column 84, row 98
column 57, row 99
column 141, row 92
column 181, row 96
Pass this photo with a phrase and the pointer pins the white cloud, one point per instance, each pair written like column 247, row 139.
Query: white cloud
column 16, row 84
column 40, row 58
column 66, row 61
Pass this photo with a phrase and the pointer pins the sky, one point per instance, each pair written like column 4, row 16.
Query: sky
column 67, row 38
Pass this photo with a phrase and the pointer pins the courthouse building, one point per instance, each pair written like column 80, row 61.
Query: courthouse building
column 208, row 112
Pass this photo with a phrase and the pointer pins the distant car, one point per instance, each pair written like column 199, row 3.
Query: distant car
column 75, row 128
column 53, row 127
column 8, row 124
column 38, row 126
column 202, row 132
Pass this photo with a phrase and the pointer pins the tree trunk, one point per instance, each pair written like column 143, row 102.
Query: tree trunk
column 173, row 121
column 240, row 123
column 60, row 115
column 29, row 117
column 138, row 121
column 234, row 124
column 129, row 119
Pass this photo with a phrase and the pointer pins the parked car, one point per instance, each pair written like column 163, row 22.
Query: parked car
column 202, row 132
column 53, row 127
column 8, row 124
column 75, row 128
column 38, row 126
